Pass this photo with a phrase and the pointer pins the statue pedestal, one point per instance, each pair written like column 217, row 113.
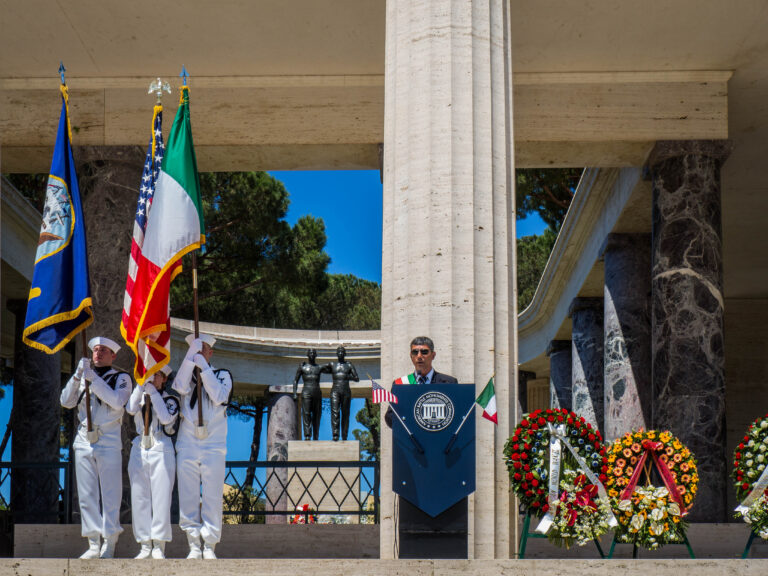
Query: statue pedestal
column 328, row 490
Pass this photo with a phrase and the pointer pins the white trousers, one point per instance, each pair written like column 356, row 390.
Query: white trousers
column 200, row 466
column 152, row 474
column 99, row 473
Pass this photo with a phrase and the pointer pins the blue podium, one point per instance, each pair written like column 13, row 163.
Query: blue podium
column 433, row 468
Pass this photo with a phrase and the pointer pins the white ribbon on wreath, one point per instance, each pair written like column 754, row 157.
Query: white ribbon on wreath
column 757, row 491
column 557, row 437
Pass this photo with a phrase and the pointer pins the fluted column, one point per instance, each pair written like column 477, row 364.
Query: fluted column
column 587, row 337
column 687, row 330
column 627, row 323
column 560, row 354
column 448, row 260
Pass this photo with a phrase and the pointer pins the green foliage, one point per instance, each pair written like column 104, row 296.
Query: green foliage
column 254, row 261
column 547, row 192
column 246, row 502
column 31, row 186
column 532, row 255
column 370, row 417
column 347, row 303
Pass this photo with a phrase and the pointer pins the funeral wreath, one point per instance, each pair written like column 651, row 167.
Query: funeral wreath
column 750, row 475
column 651, row 516
column 557, row 465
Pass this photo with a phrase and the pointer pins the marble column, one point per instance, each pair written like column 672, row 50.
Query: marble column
column 448, row 226
column 627, row 326
column 687, row 292
column 560, row 354
column 587, row 338
column 281, row 428
column 35, row 421
column 523, row 376
column 109, row 178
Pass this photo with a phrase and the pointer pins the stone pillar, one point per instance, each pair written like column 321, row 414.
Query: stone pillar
column 281, row 429
column 587, row 337
column 560, row 354
column 109, row 178
column 448, row 234
column 523, row 376
column 627, row 326
column 687, row 291
column 35, row 421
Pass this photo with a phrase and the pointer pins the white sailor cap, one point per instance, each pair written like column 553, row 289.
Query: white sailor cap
column 207, row 338
column 103, row 341
column 166, row 370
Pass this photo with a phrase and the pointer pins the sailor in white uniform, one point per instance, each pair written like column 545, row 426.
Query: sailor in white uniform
column 152, row 465
column 98, row 455
column 201, row 448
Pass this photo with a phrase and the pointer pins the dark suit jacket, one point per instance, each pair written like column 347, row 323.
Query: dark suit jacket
column 437, row 378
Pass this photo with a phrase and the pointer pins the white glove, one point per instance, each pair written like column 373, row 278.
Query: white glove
column 200, row 362
column 84, row 362
column 89, row 374
column 195, row 347
column 150, row 389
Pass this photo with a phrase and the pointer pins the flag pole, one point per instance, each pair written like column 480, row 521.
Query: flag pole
column 198, row 381
column 456, row 434
column 91, row 434
column 416, row 443
column 201, row 431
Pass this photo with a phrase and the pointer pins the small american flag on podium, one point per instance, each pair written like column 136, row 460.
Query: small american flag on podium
column 381, row 394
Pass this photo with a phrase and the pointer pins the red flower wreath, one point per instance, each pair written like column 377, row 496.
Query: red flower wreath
column 527, row 454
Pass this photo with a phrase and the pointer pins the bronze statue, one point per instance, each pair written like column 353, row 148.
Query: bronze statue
column 342, row 372
column 311, row 395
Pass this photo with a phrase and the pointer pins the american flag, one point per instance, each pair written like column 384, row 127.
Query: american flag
column 152, row 348
column 381, row 394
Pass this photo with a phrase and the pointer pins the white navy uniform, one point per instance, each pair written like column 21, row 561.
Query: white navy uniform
column 201, row 462
column 99, row 465
column 152, row 470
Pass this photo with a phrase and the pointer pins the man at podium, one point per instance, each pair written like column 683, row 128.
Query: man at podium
column 422, row 355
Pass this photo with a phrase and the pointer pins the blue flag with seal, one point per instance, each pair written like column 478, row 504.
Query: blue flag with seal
column 59, row 305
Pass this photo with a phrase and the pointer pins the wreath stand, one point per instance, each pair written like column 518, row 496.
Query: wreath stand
column 527, row 534
column 635, row 550
column 748, row 547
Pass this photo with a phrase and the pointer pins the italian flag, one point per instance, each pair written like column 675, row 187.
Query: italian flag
column 487, row 401
column 408, row 379
column 174, row 227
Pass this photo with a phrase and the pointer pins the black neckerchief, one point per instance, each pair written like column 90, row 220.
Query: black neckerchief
column 193, row 398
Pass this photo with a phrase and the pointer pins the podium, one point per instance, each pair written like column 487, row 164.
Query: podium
column 433, row 468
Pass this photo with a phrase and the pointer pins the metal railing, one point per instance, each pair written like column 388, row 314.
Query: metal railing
column 323, row 492
column 306, row 492
column 50, row 481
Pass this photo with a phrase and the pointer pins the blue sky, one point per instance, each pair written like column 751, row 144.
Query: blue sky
column 350, row 204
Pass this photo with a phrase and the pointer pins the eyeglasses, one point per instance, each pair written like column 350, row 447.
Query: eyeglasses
column 422, row 351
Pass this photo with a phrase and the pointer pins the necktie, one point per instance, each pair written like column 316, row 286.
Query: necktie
column 422, row 379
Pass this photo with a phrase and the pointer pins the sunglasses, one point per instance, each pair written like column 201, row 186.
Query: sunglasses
column 422, row 351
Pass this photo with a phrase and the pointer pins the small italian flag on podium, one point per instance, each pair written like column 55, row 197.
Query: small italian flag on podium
column 487, row 401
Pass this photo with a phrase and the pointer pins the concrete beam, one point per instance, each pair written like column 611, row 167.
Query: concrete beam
column 337, row 121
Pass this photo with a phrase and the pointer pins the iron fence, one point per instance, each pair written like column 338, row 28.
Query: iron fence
column 37, row 492
column 317, row 491
column 305, row 492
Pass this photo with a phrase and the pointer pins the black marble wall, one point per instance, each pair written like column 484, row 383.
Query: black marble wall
column 587, row 338
column 627, row 325
column 560, row 374
column 687, row 292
